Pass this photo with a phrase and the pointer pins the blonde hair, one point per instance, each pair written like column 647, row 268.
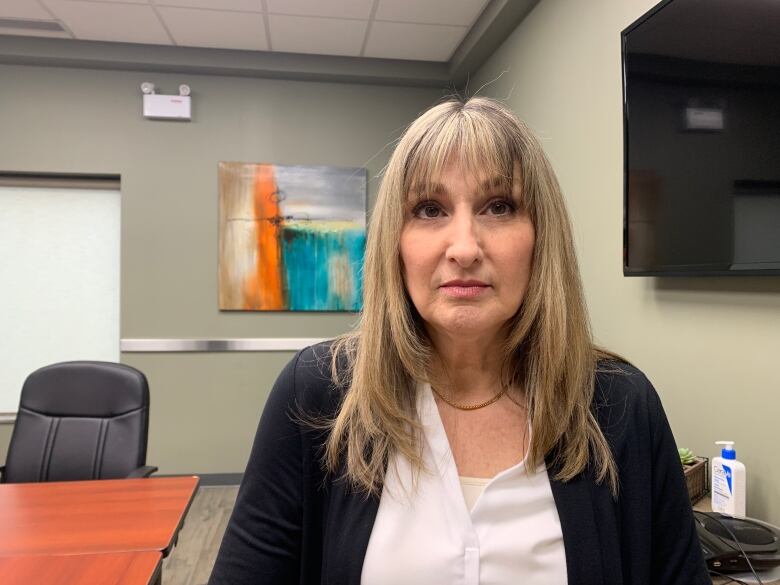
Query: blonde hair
column 549, row 351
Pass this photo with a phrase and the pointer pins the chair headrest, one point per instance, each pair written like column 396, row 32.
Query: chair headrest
column 85, row 388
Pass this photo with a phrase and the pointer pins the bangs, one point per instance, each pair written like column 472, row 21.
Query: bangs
column 474, row 141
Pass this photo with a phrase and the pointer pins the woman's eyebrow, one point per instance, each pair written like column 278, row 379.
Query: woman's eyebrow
column 487, row 188
column 420, row 191
column 486, row 185
column 496, row 183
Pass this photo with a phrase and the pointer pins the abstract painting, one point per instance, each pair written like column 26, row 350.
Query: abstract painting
column 291, row 238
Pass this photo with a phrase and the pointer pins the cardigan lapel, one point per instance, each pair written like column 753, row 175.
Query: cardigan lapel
column 351, row 517
column 574, row 501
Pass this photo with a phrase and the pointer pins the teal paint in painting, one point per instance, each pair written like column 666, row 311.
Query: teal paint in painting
column 323, row 263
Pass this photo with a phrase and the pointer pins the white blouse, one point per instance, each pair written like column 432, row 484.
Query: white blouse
column 426, row 534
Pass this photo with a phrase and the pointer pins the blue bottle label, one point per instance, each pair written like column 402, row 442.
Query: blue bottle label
column 722, row 487
column 727, row 472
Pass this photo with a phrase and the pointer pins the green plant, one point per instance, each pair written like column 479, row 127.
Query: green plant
column 686, row 456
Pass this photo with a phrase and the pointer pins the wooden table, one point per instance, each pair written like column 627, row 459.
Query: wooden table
column 127, row 568
column 84, row 517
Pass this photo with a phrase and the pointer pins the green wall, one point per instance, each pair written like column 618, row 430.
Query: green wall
column 5, row 438
column 710, row 345
column 205, row 407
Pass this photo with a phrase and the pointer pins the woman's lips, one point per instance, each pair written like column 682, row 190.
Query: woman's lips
column 464, row 290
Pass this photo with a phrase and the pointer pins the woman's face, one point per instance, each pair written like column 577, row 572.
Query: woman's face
column 466, row 254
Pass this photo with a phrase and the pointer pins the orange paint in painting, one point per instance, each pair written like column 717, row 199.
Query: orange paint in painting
column 263, row 290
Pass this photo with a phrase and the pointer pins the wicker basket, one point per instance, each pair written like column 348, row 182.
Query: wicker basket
column 696, row 476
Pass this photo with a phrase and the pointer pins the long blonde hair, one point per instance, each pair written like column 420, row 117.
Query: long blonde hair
column 549, row 351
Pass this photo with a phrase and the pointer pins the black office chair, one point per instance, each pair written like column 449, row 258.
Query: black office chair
column 80, row 420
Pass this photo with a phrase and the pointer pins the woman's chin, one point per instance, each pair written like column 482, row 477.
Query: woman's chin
column 466, row 322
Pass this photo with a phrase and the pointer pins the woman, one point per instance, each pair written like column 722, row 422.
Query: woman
column 468, row 431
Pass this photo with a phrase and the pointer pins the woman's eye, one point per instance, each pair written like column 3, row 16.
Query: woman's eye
column 427, row 211
column 500, row 208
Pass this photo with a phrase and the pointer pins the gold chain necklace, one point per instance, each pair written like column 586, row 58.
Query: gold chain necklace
column 470, row 406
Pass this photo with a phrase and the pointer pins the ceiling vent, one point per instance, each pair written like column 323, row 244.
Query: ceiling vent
column 21, row 25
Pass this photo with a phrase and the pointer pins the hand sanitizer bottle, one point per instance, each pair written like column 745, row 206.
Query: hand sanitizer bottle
column 728, row 482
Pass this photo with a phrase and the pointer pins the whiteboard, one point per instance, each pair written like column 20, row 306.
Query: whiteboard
column 59, row 281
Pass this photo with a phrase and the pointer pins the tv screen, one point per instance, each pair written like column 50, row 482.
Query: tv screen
column 701, row 107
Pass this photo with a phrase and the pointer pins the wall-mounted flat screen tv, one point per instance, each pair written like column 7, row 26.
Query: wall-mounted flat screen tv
column 701, row 107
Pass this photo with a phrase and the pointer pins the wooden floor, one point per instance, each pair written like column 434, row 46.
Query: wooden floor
column 191, row 561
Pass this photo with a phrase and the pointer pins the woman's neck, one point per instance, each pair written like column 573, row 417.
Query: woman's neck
column 467, row 370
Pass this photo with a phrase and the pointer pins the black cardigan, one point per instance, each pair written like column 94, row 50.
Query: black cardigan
column 293, row 524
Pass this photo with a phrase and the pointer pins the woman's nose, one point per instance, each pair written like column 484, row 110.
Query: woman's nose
column 464, row 245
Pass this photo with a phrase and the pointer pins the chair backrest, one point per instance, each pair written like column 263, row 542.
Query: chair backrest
column 79, row 420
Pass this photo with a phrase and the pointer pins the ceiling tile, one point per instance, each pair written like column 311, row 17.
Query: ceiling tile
column 454, row 12
column 109, row 21
column 213, row 28
column 147, row 2
column 23, row 9
column 332, row 8
column 240, row 5
column 324, row 36
column 423, row 42
column 123, row 1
